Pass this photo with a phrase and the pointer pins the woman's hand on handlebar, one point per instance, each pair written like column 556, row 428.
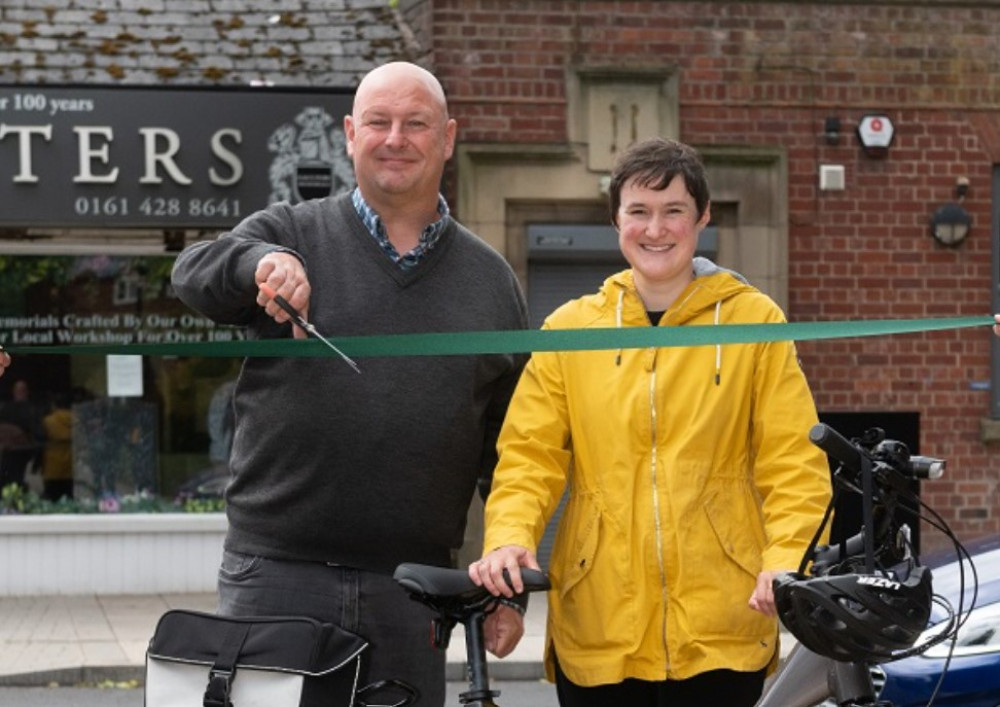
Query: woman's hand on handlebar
column 762, row 599
column 488, row 571
column 505, row 626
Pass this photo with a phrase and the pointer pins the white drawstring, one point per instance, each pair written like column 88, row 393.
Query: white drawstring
column 718, row 347
column 618, row 322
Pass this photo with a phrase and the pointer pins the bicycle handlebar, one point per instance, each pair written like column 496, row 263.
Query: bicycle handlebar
column 878, row 450
column 836, row 446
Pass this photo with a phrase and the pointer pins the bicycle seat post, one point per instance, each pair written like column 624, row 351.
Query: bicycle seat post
column 455, row 598
column 479, row 694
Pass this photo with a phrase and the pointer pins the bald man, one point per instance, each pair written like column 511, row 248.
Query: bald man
column 338, row 477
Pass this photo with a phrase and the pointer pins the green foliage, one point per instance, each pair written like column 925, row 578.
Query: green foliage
column 20, row 274
column 13, row 499
column 203, row 505
column 16, row 500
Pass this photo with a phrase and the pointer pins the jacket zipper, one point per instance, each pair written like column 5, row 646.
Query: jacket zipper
column 656, row 511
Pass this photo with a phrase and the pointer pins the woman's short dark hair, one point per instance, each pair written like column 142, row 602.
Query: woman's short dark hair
column 654, row 163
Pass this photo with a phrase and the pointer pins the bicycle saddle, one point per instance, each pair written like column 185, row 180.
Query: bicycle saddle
column 446, row 583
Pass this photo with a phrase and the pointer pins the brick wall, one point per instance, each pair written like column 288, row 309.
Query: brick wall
column 768, row 74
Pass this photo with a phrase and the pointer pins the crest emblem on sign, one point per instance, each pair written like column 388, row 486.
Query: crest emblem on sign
column 310, row 158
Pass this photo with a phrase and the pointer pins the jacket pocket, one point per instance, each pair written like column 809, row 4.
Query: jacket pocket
column 591, row 610
column 576, row 544
column 738, row 534
column 718, row 584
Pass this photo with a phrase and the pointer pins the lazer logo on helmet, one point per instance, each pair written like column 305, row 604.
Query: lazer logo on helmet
column 880, row 582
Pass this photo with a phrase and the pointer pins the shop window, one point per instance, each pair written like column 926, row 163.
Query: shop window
column 158, row 434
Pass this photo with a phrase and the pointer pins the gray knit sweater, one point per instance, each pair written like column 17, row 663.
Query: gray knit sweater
column 365, row 470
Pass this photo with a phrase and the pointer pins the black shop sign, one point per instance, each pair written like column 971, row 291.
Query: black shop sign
column 162, row 157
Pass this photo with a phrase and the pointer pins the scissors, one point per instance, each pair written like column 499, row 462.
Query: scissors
column 302, row 323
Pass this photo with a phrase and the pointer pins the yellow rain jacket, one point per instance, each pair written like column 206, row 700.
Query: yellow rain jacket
column 689, row 471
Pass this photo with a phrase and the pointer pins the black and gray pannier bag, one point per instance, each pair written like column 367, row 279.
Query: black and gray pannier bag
column 202, row 660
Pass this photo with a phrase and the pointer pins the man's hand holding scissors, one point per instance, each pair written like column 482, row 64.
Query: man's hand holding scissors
column 286, row 311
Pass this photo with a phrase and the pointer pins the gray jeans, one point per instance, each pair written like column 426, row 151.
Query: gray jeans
column 371, row 605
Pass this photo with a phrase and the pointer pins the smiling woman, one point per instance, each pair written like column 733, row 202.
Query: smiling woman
column 659, row 214
column 710, row 484
column 658, row 232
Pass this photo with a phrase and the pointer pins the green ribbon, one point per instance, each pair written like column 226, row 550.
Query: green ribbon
column 522, row 341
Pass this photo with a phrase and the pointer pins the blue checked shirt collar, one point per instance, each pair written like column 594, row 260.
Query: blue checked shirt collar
column 428, row 237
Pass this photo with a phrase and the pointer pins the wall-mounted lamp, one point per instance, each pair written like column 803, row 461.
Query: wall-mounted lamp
column 950, row 224
column 831, row 130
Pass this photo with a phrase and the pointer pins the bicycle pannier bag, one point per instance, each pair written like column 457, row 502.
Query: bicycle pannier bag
column 202, row 660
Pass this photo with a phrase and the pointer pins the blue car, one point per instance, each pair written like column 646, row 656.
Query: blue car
column 973, row 677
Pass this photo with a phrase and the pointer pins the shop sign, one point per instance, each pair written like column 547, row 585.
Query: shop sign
column 165, row 157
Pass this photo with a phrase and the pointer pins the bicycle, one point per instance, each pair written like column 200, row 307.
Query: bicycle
column 865, row 600
column 876, row 563
column 457, row 600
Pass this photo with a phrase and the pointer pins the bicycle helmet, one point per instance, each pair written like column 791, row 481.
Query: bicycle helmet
column 855, row 617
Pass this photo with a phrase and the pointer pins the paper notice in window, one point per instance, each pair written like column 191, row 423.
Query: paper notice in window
column 124, row 376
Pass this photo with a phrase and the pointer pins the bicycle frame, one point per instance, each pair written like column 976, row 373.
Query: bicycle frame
column 807, row 679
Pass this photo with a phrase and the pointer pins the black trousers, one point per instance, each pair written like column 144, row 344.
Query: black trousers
column 725, row 688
